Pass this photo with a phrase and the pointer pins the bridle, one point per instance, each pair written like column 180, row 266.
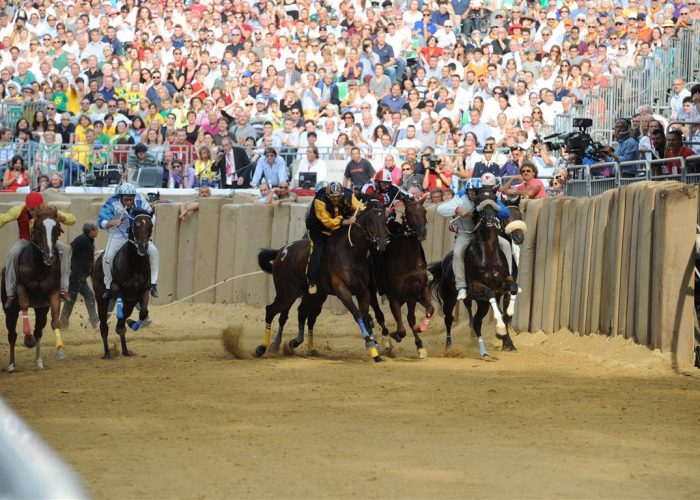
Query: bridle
column 372, row 238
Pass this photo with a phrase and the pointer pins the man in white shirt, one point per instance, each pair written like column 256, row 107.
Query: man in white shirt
column 678, row 93
column 410, row 141
column 550, row 108
column 546, row 80
column 446, row 36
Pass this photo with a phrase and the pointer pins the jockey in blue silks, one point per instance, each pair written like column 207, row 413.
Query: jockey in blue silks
column 116, row 217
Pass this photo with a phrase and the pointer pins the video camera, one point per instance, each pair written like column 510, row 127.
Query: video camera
column 434, row 160
column 577, row 142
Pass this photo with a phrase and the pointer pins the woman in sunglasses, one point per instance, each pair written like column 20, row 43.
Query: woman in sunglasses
column 530, row 186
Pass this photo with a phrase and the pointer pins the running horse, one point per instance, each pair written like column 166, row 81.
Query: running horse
column 344, row 273
column 488, row 279
column 402, row 274
column 38, row 287
column 131, row 276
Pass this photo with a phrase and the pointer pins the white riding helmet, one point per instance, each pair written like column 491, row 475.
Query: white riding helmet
column 488, row 179
column 126, row 189
column 383, row 176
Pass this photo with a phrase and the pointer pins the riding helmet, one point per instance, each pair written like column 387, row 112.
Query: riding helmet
column 473, row 184
column 34, row 200
column 334, row 190
column 383, row 176
column 126, row 189
column 488, row 179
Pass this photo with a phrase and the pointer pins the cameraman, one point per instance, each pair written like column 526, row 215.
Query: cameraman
column 627, row 147
column 539, row 155
column 434, row 176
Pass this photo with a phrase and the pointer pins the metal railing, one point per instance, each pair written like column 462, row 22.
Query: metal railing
column 12, row 112
column 591, row 180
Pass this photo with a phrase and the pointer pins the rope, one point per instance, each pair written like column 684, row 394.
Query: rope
column 183, row 299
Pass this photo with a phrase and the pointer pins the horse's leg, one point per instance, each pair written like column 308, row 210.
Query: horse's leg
column 23, row 302
column 482, row 308
column 127, row 309
column 449, row 298
column 468, row 306
column 55, row 304
column 102, row 314
column 400, row 332
column 505, row 339
column 313, row 314
column 378, row 313
column 427, row 304
column 359, row 315
column 275, row 345
column 41, row 315
column 411, row 316
column 282, row 302
column 302, row 315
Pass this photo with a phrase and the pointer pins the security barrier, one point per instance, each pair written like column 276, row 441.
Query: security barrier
column 619, row 264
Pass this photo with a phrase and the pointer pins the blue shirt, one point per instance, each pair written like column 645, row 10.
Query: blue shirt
column 418, row 26
column 385, row 53
column 628, row 150
column 273, row 173
column 460, row 6
column 393, row 103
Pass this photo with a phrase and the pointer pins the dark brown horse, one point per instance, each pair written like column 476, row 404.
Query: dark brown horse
column 402, row 274
column 131, row 276
column 38, row 286
column 488, row 279
column 344, row 273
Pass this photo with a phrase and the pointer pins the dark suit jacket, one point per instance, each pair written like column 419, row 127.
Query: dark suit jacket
column 244, row 168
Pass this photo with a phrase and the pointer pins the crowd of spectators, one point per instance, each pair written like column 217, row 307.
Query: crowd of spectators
column 434, row 92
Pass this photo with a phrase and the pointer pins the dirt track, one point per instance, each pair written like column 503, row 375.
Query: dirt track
column 564, row 417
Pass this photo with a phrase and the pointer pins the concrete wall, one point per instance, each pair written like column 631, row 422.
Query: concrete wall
column 616, row 264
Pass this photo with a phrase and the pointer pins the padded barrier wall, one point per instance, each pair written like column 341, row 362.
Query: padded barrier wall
column 616, row 264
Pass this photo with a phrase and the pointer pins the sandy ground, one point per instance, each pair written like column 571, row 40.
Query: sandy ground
column 564, row 417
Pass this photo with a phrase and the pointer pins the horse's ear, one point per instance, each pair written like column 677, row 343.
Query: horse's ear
column 516, row 200
column 422, row 199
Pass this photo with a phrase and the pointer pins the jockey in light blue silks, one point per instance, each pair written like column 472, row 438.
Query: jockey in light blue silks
column 115, row 216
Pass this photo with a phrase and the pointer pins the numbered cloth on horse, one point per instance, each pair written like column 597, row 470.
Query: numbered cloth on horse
column 114, row 210
column 23, row 214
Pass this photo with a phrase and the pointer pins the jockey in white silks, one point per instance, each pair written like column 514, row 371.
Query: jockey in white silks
column 115, row 217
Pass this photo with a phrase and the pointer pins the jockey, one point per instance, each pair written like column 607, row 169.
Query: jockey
column 115, row 217
column 333, row 207
column 24, row 215
column 383, row 189
column 461, row 208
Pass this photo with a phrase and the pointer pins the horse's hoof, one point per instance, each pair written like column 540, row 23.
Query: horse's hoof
column 11, row 368
column 145, row 322
column 127, row 354
column 448, row 345
column 397, row 336
column 501, row 329
column 294, row 343
column 422, row 353
column 107, row 356
column 509, row 348
column 40, row 364
column 61, row 354
column 378, row 359
column 259, row 351
column 314, row 353
column 385, row 331
column 134, row 325
column 273, row 348
column 387, row 346
column 29, row 341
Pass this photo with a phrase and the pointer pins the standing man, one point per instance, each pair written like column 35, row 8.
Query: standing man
column 233, row 165
column 358, row 171
column 83, row 247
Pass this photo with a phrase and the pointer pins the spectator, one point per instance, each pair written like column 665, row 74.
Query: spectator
column 675, row 148
column 16, row 176
column 358, row 171
column 188, row 207
column 271, row 167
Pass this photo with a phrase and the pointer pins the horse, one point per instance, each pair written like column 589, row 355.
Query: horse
column 131, row 275
column 344, row 273
column 488, row 279
column 38, row 287
column 402, row 274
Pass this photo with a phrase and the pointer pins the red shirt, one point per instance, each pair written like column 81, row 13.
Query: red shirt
column 23, row 225
column 674, row 167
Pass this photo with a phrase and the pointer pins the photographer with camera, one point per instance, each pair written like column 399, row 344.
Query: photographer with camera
column 434, row 176
column 539, row 155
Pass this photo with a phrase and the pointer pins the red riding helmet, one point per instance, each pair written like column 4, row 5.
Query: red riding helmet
column 383, row 176
column 34, row 200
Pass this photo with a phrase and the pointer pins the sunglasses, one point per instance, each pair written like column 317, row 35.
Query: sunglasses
column 526, row 170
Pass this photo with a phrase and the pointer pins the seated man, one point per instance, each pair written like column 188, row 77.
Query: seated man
column 24, row 215
column 115, row 217
column 333, row 207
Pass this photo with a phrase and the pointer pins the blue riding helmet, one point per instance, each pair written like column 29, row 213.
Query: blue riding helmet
column 126, row 189
column 473, row 184
column 334, row 190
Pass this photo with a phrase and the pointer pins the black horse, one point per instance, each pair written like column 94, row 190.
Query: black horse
column 38, row 287
column 344, row 273
column 402, row 274
column 131, row 277
column 488, row 279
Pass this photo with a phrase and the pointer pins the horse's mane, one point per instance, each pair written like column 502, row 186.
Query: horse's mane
column 141, row 211
column 46, row 212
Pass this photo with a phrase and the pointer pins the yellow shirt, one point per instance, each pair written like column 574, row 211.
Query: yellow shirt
column 14, row 213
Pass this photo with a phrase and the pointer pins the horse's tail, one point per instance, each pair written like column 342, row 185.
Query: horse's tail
column 265, row 258
column 435, row 268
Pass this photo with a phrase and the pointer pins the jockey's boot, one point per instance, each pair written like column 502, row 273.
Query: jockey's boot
column 462, row 294
column 312, row 289
column 154, row 291
column 10, row 301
